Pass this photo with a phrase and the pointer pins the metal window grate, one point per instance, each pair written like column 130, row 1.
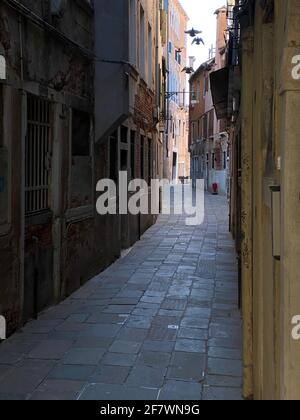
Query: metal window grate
column 38, row 153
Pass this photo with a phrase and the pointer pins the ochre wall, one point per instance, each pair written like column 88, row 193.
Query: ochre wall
column 270, row 123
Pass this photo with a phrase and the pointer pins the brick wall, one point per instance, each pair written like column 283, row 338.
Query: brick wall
column 144, row 120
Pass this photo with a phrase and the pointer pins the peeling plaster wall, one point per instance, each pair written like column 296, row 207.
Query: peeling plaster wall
column 269, row 127
column 58, row 70
column 68, row 244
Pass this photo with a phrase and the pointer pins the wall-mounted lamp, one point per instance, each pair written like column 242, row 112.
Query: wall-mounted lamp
column 2, row 68
column 276, row 221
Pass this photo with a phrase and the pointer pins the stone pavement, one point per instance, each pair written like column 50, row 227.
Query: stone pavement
column 161, row 323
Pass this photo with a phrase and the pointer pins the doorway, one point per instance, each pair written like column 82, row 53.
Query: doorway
column 38, row 273
column 174, row 166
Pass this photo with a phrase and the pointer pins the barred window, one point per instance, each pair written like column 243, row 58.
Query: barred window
column 38, row 155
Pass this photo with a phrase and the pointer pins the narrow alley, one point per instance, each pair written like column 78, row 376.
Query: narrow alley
column 108, row 109
column 162, row 323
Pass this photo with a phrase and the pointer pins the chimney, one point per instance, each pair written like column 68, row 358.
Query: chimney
column 221, row 14
column 192, row 60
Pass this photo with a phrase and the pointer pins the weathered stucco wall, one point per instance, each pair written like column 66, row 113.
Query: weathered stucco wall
column 46, row 255
column 270, row 129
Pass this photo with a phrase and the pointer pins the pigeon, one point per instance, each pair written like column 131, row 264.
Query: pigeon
column 188, row 70
column 193, row 32
column 198, row 41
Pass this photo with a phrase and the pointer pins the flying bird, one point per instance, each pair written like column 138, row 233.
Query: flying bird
column 193, row 32
column 198, row 41
column 188, row 70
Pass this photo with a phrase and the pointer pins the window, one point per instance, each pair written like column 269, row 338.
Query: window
column 206, row 85
column 149, row 161
column 223, row 125
column 132, row 33
column 37, row 155
column 132, row 153
column 224, row 160
column 124, row 134
column 205, row 126
column 211, row 123
column 4, row 171
column 113, row 157
column 184, row 98
column 150, row 52
column 142, row 42
column 213, row 160
column 81, row 123
column 81, row 188
column 124, row 160
column 193, row 95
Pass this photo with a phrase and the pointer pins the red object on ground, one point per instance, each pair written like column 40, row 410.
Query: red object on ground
column 215, row 188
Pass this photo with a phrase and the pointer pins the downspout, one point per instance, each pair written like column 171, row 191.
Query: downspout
column 168, row 85
column 22, row 186
column 157, row 57
column 21, row 47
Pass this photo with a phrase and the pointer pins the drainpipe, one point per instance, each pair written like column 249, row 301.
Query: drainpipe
column 21, row 47
column 22, row 171
column 168, row 88
column 158, row 87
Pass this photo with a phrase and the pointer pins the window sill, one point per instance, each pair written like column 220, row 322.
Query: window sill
column 79, row 214
column 42, row 218
column 5, row 230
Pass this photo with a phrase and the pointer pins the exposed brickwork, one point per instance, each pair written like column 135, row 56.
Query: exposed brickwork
column 144, row 108
column 42, row 232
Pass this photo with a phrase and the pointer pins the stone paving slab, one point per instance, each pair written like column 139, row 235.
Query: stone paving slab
column 161, row 323
column 179, row 390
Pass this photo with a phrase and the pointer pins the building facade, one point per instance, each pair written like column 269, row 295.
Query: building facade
column 209, row 147
column 47, row 160
column 130, row 76
column 176, row 156
column 262, row 101
column 80, row 100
